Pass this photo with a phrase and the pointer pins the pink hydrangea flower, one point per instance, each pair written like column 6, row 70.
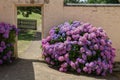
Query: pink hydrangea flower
column 61, row 58
column 80, row 47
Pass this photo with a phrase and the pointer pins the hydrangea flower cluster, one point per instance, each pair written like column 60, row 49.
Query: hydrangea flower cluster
column 79, row 47
column 7, row 38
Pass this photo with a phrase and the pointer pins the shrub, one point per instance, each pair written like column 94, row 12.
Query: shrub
column 80, row 47
column 7, row 38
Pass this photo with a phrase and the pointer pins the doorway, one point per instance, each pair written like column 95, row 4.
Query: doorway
column 29, row 22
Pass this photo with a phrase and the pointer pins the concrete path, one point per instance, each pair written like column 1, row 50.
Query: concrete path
column 31, row 66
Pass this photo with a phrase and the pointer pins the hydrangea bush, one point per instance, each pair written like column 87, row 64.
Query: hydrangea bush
column 79, row 47
column 7, row 38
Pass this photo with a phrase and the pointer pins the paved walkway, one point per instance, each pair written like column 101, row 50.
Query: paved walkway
column 30, row 66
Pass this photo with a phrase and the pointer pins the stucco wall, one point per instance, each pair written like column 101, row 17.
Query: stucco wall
column 106, row 17
column 55, row 13
column 8, row 11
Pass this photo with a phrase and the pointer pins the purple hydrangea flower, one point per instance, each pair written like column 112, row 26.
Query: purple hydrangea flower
column 6, row 41
column 72, row 64
column 80, row 47
column 1, row 49
column 79, row 70
column 85, row 69
column 61, row 58
column 1, row 61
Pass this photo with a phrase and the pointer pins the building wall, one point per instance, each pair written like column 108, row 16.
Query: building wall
column 8, row 12
column 106, row 17
column 55, row 13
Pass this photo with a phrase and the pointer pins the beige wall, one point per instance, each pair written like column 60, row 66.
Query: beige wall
column 106, row 17
column 55, row 13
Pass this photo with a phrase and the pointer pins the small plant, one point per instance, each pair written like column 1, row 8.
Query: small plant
column 79, row 47
column 7, row 38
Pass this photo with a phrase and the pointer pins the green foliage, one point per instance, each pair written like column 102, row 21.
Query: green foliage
column 93, row 1
column 59, row 39
column 103, row 1
column 56, row 30
column 70, row 21
column 74, row 52
column 71, row 1
column 26, row 11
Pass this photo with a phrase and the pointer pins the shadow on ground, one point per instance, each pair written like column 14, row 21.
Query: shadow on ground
column 21, row 69
column 113, row 76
